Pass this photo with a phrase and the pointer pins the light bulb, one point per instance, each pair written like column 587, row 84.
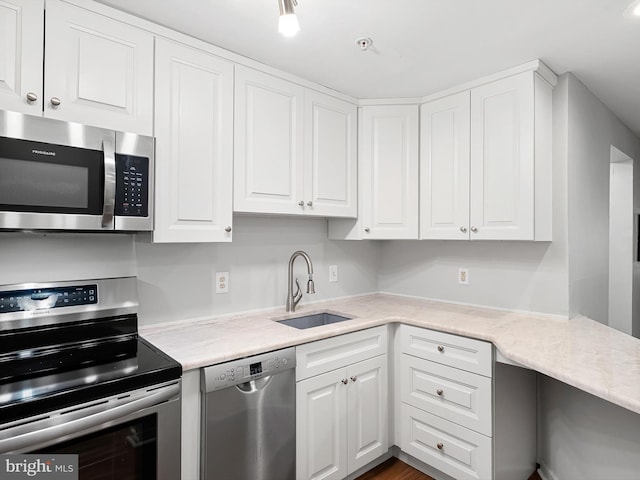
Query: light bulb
column 288, row 25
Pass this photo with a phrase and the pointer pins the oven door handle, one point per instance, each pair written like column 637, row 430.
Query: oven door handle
column 109, row 203
column 58, row 427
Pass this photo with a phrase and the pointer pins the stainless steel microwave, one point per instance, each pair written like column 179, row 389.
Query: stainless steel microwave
column 57, row 175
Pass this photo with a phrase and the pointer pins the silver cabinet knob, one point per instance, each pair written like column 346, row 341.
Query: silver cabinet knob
column 32, row 97
column 228, row 229
column 439, row 392
column 354, row 378
column 367, row 229
column 309, row 204
column 474, row 229
column 463, row 229
column 440, row 446
column 345, row 380
column 301, row 203
column 440, row 348
column 55, row 102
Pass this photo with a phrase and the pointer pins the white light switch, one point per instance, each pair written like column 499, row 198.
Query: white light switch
column 333, row 273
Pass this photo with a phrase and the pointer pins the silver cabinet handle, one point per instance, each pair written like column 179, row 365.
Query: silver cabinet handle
column 55, row 102
column 440, row 446
column 463, row 229
column 367, row 229
column 309, row 204
column 345, row 380
column 474, row 229
column 354, row 378
column 301, row 203
column 32, row 97
column 228, row 229
column 109, row 203
column 440, row 348
column 439, row 392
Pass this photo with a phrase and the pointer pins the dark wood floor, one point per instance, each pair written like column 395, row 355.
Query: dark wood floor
column 394, row 469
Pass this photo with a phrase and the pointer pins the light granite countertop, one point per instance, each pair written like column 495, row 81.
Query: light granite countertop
column 580, row 352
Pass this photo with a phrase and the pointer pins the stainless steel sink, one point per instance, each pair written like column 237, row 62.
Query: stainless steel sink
column 313, row 320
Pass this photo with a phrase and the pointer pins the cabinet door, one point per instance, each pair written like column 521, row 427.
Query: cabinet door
column 389, row 169
column 100, row 69
column 194, row 142
column 330, row 166
column 321, row 427
column 367, row 412
column 21, row 51
column 502, row 159
column 268, row 175
column 444, row 168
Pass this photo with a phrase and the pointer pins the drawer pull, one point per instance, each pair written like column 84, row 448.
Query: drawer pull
column 440, row 446
column 354, row 378
column 345, row 380
column 439, row 391
column 440, row 348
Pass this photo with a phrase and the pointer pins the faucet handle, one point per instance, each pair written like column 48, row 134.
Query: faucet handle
column 298, row 295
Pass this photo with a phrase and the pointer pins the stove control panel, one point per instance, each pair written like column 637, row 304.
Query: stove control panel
column 47, row 298
column 247, row 369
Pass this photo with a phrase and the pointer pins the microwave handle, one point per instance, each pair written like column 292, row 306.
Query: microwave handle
column 109, row 203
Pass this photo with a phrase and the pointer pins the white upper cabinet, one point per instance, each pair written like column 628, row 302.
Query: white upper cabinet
column 295, row 149
column 21, row 50
column 502, row 159
column 268, row 144
column 444, row 168
column 388, row 176
column 486, row 162
column 330, row 156
column 97, row 70
column 194, row 145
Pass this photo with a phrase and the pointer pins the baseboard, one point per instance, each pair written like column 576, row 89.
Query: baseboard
column 545, row 473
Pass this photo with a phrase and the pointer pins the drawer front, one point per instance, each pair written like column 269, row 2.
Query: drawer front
column 460, row 352
column 461, row 397
column 337, row 352
column 455, row 450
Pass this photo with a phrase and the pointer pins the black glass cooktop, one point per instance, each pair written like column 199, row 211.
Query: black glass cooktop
column 144, row 365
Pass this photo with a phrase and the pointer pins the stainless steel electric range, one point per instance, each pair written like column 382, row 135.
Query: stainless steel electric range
column 75, row 378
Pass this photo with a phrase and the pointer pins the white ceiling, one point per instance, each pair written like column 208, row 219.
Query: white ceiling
column 423, row 46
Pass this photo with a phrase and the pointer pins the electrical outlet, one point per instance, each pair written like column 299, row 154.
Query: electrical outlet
column 463, row 276
column 333, row 273
column 222, row 282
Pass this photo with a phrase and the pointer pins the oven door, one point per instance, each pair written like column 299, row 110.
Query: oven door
column 55, row 175
column 135, row 435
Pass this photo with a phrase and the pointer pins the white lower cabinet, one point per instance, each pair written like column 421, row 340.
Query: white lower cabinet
column 460, row 412
column 342, row 414
column 452, row 449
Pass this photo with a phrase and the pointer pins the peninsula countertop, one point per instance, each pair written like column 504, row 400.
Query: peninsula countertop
column 580, row 352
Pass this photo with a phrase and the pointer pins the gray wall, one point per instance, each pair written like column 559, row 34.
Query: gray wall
column 178, row 280
column 592, row 131
column 516, row 275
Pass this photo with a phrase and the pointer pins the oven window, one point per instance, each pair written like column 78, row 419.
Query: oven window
column 123, row 452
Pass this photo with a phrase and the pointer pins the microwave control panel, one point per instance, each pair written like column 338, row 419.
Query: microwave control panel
column 132, row 186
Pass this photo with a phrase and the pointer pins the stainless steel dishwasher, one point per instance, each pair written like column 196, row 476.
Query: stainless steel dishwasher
column 248, row 418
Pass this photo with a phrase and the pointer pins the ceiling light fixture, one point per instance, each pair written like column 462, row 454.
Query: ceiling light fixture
column 633, row 10
column 288, row 23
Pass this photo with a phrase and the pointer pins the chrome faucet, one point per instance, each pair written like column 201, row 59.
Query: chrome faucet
column 294, row 298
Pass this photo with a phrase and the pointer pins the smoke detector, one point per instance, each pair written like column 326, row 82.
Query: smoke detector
column 364, row 43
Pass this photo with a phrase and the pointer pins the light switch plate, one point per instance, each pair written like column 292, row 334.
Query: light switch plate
column 333, row 273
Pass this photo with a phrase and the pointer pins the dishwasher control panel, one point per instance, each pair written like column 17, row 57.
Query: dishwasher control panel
column 246, row 369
